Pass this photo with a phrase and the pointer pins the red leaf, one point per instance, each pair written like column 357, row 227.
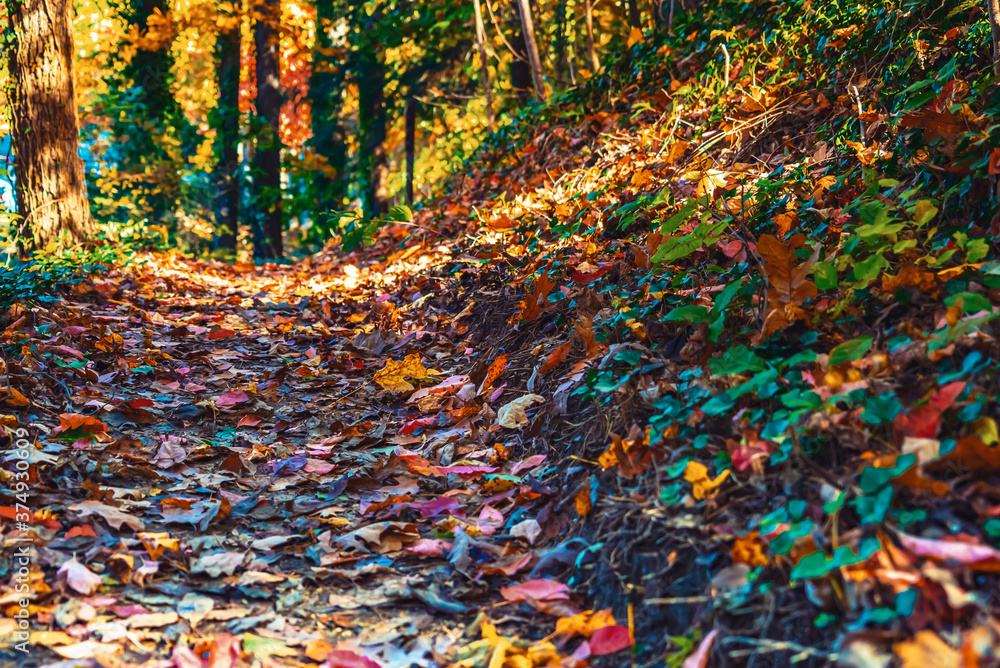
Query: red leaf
column 538, row 590
column 921, row 422
column 230, row 399
column 945, row 397
column 221, row 334
column 248, row 421
column 344, row 658
column 609, row 639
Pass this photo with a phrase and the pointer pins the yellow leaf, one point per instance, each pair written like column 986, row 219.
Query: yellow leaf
column 696, row 473
column 393, row 376
column 635, row 37
column 986, row 429
column 642, row 178
column 927, row 649
column 585, row 623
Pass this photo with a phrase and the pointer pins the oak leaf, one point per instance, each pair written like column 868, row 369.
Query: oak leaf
column 393, row 375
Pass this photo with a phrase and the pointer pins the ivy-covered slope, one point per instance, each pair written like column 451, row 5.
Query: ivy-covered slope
column 760, row 282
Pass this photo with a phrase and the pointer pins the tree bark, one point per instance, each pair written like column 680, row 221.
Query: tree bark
column 993, row 9
column 528, row 28
column 227, row 137
column 326, row 94
column 634, row 15
column 268, row 242
column 410, row 145
column 51, row 189
column 588, row 14
column 372, row 123
column 481, row 43
column 520, row 70
column 155, row 113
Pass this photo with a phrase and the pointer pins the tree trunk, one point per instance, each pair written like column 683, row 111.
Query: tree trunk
column 993, row 9
column 326, row 95
column 634, row 15
column 411, row 131
column 372, row 123
column 588, row 14
column 528, row 28
column 562, row 42
column 481, row 43
column 267, row 164
column 227, row 136
column 51, row 188
column 520, row 70
column 155, row 114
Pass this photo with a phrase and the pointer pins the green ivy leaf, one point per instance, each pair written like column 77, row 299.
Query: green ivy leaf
column 736, row 359
column 816, row 565
column 852, row 350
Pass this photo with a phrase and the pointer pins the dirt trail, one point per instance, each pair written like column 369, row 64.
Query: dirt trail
column 231, row 466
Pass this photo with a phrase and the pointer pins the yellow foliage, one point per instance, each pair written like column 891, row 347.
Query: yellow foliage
column 696, row 473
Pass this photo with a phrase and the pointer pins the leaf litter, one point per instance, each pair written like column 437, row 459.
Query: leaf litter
column 684, row 392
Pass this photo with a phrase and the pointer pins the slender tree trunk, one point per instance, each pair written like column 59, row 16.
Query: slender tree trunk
column 410, row 141
column 372, row 123
column 268, row 243
column 993, row 9
column 528, row 27
column 520, row 70
column 588, row 14
column 562, row 42
column 156, row 113
column 51, row 188
column 634, row 15
column 326, row 95
column 481, row 43
column 227, row 137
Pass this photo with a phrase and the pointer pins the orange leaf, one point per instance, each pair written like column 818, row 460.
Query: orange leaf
column 496, row 368
column 536, row 303
column 15, row 398
column 583, row 500
column 86, row 423
column 585, row 328
column 317, row 650
column 556, row 357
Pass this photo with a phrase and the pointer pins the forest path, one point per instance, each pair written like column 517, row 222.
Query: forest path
column 230, row 465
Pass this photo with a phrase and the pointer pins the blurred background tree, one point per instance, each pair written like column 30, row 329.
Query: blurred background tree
column 241, row 128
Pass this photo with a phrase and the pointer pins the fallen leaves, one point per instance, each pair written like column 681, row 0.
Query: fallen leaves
column 513, row 415
column 79, row 577
column 702, row 485
column 789, row 286
column 393, row 375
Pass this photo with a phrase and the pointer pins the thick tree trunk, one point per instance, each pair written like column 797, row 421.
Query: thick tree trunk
column 520, row 70
column 227, row 137
column 268, row 243
column 372, row 122
column 588, row 14
column 325, row 92
column 528, row 28
column 993, row 9
column 410, row 145
column 51, row 189
column 481, row 43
